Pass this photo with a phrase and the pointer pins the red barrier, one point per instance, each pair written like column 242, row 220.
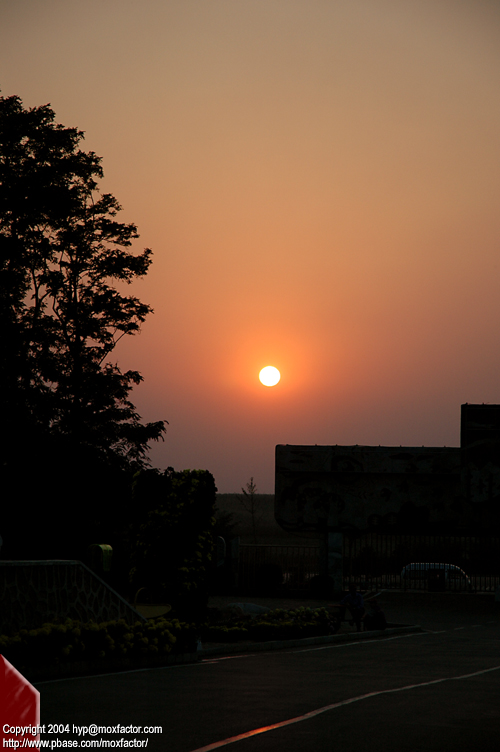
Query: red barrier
column 19, row 707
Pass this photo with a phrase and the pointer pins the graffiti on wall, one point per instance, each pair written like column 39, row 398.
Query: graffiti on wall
column 400, row 489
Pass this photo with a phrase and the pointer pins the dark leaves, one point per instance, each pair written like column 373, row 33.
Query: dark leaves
column 62, row 251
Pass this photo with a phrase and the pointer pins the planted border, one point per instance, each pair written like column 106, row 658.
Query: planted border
column 274, row 625
column 72, row 642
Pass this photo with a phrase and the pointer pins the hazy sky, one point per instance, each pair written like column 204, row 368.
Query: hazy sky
column 319, row 181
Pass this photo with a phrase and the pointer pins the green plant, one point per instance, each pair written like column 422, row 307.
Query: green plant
column 278, row 624
column 173, row 548
column 54, row 644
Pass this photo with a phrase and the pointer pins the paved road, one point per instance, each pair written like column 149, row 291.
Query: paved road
column 438, row 690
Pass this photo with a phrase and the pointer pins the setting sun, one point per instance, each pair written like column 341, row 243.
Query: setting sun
column 283, row 230
column 269, row 376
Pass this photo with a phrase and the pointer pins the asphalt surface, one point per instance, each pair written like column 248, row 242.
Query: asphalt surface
column 434, row 690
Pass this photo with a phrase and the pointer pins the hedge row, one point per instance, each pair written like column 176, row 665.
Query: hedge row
column 73, row 641
column 274, row 625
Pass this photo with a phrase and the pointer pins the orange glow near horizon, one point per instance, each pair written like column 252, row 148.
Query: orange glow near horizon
column 319, row 185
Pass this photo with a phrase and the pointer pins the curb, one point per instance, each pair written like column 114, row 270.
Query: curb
column 100, row 667
column 59, row 673
column 255, row 647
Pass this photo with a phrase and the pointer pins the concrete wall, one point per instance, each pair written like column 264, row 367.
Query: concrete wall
column 346, row 488
column 395, row 489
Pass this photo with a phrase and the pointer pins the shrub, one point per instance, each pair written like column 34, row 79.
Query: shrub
column 55, row 644
column 224, row 634
column 274, row 625
column 172, row 552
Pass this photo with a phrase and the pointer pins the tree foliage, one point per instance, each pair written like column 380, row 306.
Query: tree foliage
column 174, row 542
column 252, row 504
column 69, row 429
column 64, row 263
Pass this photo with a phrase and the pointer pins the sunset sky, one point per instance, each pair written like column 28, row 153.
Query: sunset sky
column 319, row 181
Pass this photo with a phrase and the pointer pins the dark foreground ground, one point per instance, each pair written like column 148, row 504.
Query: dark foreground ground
column 434, row 690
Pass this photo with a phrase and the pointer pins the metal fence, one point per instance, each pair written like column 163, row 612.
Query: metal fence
column 381, row 561
column 266, row 568
column 376, row 561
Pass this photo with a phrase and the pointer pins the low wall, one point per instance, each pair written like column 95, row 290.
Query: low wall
column 35, row 592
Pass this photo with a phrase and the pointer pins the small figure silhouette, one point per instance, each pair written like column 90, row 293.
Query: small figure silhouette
column 353, row 602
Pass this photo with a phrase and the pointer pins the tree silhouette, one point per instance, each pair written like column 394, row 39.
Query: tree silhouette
column 65, row 262
column 252, row 504
column 61, row 254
